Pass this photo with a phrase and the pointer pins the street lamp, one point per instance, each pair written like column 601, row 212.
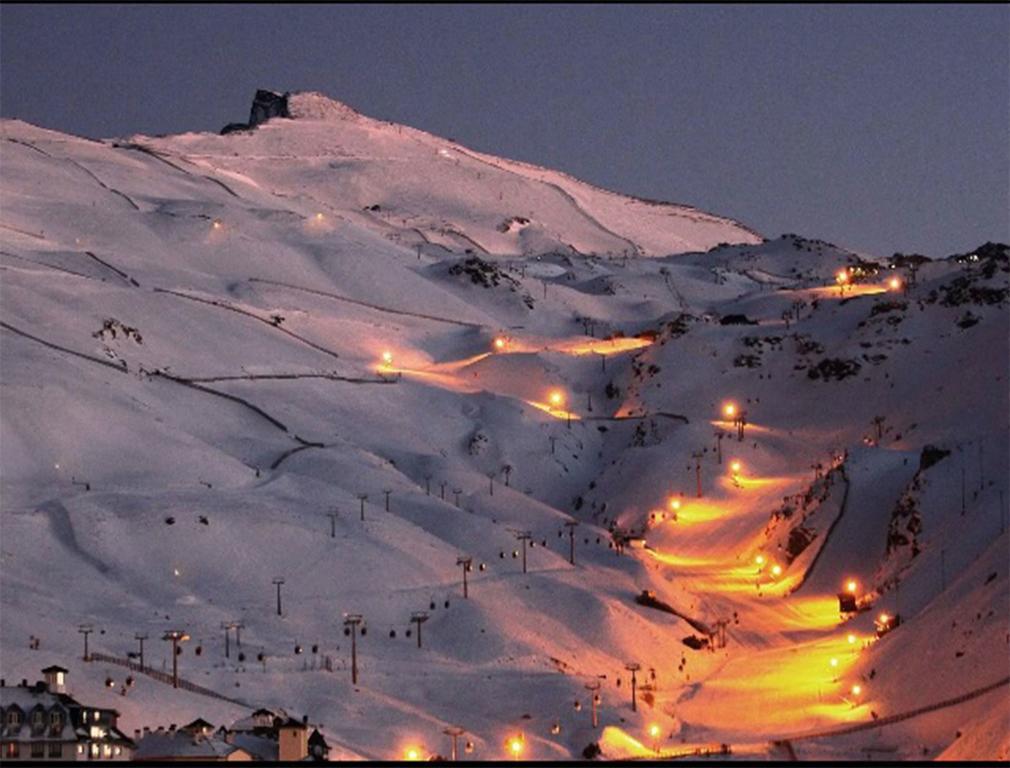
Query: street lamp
column 351, row 623
column 515, row 746
column 419, row 617
column 453, row 732
column 412, row 754
column 387, row 358
column 467, row 563
column 500, row 343
column 633, row 667
column 570, row 525
column 594, row 698
column 524, row 537
column 654, row 733
column 894, row 284
column 176, row 636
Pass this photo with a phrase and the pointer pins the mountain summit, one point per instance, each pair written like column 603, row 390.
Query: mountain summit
column 423, row 190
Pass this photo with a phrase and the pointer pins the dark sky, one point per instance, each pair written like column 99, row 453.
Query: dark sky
column 882, row 128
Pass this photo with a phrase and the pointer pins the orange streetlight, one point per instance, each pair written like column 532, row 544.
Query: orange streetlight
column 842, row 276
column 217, row 224
column 760, row 560
column 515, row 746
column 412, row 754
column 894, row 284
column 851, row 638
column 857, row 689
column 729, row 410
column 556, row 398
column 387, row 357
column 851, row 586
column 674, row 504
column 654, row 733
column 319, row 217
column 500, row 343
column 776, row 570
column 833, row 662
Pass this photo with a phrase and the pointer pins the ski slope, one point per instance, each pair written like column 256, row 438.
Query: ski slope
column 211, row 343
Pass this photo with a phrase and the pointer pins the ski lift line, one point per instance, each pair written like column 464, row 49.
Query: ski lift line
column 120, row 368
column 233, row 308
column 377, row 307
column 51, row 266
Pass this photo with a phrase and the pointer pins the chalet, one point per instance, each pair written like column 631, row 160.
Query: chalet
column 42, row 722
column 193, row 743
column 262, row 736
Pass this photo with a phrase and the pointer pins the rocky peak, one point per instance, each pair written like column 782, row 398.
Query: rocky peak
column 306, row 105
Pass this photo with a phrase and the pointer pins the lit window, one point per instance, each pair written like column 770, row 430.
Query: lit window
column 116, row 751
column 107, row 750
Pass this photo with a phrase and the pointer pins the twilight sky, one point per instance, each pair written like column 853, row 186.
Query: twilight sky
column 880, row 128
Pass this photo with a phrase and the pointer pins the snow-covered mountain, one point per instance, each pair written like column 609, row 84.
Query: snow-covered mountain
column 211, row 343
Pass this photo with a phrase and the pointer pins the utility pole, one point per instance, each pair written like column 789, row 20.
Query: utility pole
column 603, row 361
column 490, row 477
column 351, row 623
column 456, row 493
column 453, row 732
column 741, row 423
column 443, row 490
column 719, row 435
column 176, row 636
column 594, row 698
column 141, row 636
column 552, row 439
column 278, row 582
column 387, row 492
column 524, row 537
column 465, row 561
column 362, row 497
column 427, row 485
column 86, row 629
column 570, row 525
column 697, row 470
column 333, row 522
column 239, row 626
column 633, row 667
column 227, row 627
column 419, row 617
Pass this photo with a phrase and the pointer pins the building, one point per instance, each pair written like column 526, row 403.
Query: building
column 43, row 722
column 262, row 736
column 193, row 743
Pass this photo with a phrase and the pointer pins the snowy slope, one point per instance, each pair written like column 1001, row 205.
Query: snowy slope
column 192, row 378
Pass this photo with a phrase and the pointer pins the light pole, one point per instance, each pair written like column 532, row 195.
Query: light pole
column 453, row 732
column 278, row 582
column 633, row 667
column 594, row 698
column 719, row 435
column 387, row 492
column 176, row 636
column 465, row 561
column 443, row 484
column 419, row 617
column 351, row 623
column 141, row 636
column 362, row 497
column 86, row 629
column 697, row 470
column 227, row 627
column 570, row 525
column 456, row 492
column 427, row 485
column 524, row 537
column 490, row 477
column 333, row 522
